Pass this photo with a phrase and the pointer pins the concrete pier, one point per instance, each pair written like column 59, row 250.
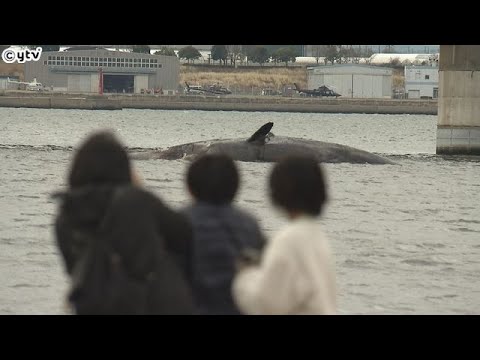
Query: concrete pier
column 458, row 129
column 224, row 103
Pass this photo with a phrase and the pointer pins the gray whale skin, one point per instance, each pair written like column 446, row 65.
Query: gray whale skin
column 263, row 146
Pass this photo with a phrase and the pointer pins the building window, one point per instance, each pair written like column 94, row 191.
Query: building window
column 45, row 62
column 427, row 77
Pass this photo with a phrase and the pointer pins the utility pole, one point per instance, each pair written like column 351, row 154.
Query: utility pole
column 352, row 86
column 100, row 81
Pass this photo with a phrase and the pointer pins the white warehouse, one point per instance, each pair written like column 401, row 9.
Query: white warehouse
column 353, row 80
column 421, row 82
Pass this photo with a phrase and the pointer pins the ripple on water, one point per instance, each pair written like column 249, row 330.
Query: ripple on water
column 160, row 180
column 364, row 212
column 463, row 229
column 423, row 262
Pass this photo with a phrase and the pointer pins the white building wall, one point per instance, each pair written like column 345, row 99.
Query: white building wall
column 387, row 83
column 94, row 82
column 141, row 82
column 78, row 83
column 314, row 81
column 341, row 83
column 353, row 80
column 421, row 81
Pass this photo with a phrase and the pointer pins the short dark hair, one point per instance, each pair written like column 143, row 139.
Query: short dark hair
column 213, row 178
column 297, row 184
column 100, row 159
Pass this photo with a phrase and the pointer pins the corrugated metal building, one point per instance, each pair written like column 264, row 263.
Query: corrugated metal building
column 353, row 80
column 124, row 72
column 421, row 82
column 5, row 85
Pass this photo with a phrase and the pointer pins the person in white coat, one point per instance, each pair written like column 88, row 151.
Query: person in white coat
column 296, row 273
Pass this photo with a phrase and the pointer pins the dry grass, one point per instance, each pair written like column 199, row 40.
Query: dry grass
column 247, row 78
column 398, row 78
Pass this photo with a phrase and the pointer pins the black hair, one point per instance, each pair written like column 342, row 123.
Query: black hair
column 213, row 178
column 101, row 159
column 297, row 184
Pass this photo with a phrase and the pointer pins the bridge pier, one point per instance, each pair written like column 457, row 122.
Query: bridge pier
column 458, row 127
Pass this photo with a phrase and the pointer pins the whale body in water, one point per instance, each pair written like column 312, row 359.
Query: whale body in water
column 263, row 146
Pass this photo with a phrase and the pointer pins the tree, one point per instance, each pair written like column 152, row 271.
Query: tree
column 219, row 52
column 389, row 49
column 285, row 55
column 144, row 49
column 343, row 54
column 45, row 47
column 247, row 51
column 164, row 50
column 395, row 62
column 331, row 54
column 189, row 53
column 318, row 51
column 355, row 54
column 259, row 54
column 234, row 52
column 368, row 52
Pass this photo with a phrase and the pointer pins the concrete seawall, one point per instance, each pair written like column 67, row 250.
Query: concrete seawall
column 182, row 102
column 43, row 102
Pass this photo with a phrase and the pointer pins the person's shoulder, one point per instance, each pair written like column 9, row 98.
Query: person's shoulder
column 133, row 196
column 243, row 214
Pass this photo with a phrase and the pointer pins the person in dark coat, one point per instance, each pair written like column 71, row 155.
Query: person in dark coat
column 147, row 237
column 222, row 233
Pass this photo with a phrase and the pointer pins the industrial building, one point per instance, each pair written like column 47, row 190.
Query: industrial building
column 352, row 80
column 421, row 82
column 5, row 82
column 78, row 70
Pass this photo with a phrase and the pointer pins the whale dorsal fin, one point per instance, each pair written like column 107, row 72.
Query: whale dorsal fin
column 260, row 134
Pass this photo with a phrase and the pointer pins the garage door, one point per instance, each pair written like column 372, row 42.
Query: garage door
column 141, row 82
column 78, row 83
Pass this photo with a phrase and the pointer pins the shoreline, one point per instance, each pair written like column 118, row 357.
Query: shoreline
column 17, row 99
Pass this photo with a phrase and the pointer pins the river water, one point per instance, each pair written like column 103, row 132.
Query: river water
column 406, row 237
